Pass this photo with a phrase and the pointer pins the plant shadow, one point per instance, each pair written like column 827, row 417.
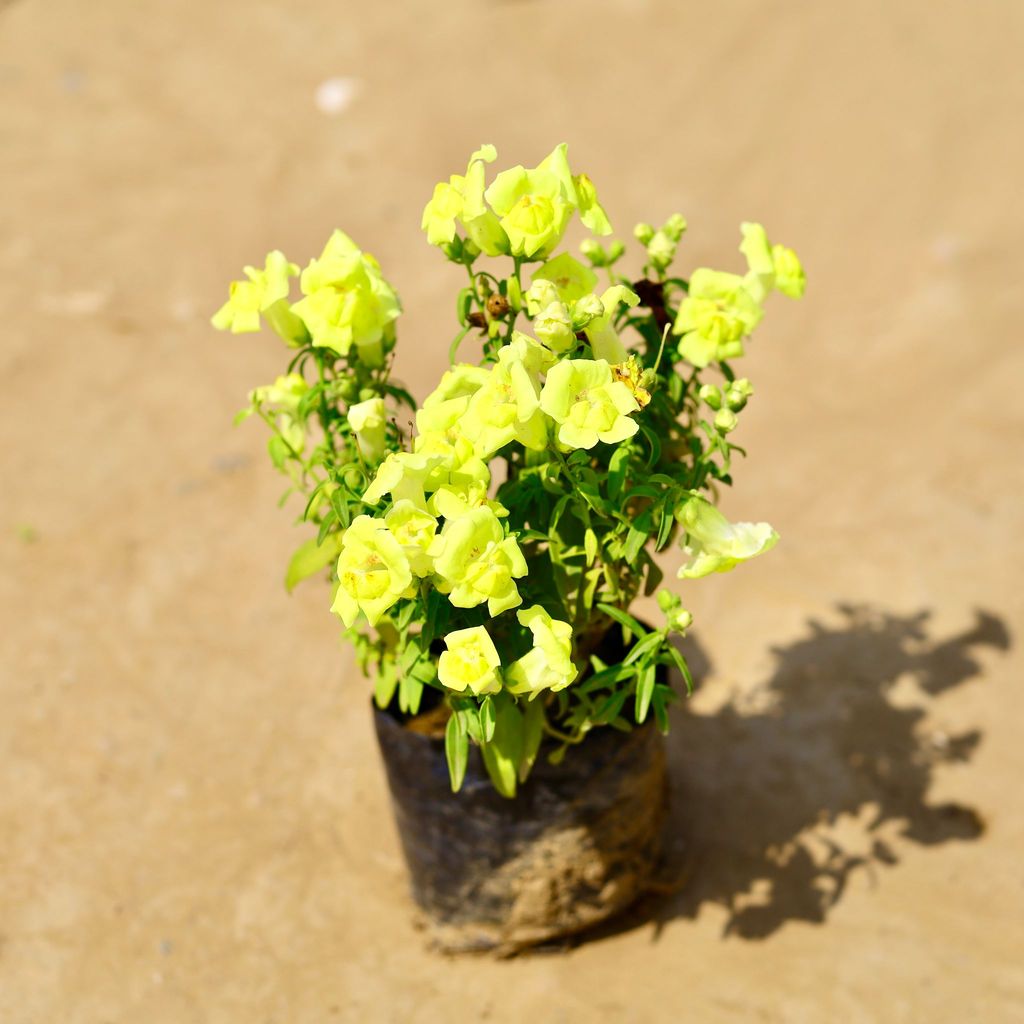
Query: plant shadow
column 782, row 794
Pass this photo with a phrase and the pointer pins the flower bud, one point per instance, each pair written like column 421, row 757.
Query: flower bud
column 515, row 294
column 643, row 233
column 737, row 394
column 615, row 251
column 347, row 389
column 711, row 395
column 661, row 250
column 725, row 421
column 677, row 618
column 675, row 226
column 593, row 251
column 453, row 249
column 585, row 309
column 554, row 328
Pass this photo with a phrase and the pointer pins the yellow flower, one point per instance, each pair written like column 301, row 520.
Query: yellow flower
column 462, row 198
column 265, row 292
column 535, row 206
column 717, row 313
column 713, row 544
column 604, row 340
column 368, row 421
column 347, row 302
column 770, row 265
column 414, row 530
column 477, row 562
column 471, row 662
column 404, row 475
column 549, row 665
column 572, row 280
column 373, row 571
column 588, row 404
column 506, row 407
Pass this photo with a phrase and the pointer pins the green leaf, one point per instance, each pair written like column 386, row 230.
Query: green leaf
column 590, row 545
column 611, row 706
column 456, row 749
column 623, row 618
column 309, row 558
column 680, row 662
column 667, row 522
column 504, row 752
column 326, row 526
column 384, row 686
column 410, row 692
column 463, row 304
column 644, row 691
column 617, row 466
column 635, row 541
column 533, row 732
column 660, row 713
column 278, row 449
column 556, row 515
column 404, row 617
column 644, row 647
column 652, row 439
column 471, row 719
column 488, row 719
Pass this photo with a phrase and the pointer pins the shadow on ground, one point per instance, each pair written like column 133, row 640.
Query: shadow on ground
column 821, row 771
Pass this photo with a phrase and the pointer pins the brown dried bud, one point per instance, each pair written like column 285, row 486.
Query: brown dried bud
column 477, row 319
column 497, row 306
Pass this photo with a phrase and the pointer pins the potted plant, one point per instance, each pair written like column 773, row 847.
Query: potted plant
column 485, row 546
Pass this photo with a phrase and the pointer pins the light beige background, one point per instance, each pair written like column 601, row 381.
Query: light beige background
column 193, row 821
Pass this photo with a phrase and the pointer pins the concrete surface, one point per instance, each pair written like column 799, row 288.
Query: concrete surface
column 193, row 820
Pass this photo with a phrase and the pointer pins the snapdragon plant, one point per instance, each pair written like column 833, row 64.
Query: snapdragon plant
column 492, row 550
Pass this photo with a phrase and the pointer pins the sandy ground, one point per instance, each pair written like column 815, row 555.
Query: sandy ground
column 193, row 820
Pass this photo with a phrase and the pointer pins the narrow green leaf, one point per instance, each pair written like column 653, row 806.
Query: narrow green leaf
column 611, row 706
column 410, row 692
column 488, row 719
column 278, row 449
column 660, row 711
column 667, row 522
column 635, row 541
column 623, row 618
column 533, row 732
column 617, row 466
column 644, row 690
column 384, row 687
column 456, row 749
column 309, row 558
column 680, row 663
column 644, row 647
column 590, row 545
column 503, row 753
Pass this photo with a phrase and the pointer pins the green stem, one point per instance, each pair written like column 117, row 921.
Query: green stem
column 563, row 736
column 456, row 342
